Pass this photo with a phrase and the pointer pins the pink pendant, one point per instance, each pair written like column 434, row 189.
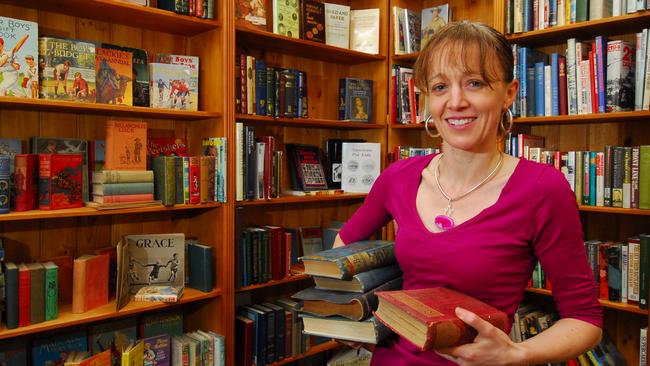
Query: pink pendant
column 444, row 222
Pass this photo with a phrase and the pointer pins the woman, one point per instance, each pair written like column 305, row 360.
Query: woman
column 476, row 220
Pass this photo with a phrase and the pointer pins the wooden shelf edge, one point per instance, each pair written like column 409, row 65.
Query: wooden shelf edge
column 615, row 210
column 303, row 199
column 407, row 126
column 46, row 105
column 293, row 278
column 327, row 346
column 607, row 304
column 306, row 122
column 66, row 318
column 585, row 118
column 89, row 211
column 410, row 57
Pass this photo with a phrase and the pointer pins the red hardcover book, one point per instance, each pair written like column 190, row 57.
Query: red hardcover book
column 268, row 164
column 603, row 286
column 195, row 180
column 244, row 330
column 166, row 146
column 427, row 318
column 60, row 181
column 242, row 74
column 89, row 282
column 65, row 264
column 288, row 237
column 288, row 325
column 593, row 80
column 276, row 238
column 562, row 85
column 24, row 305
column 26, row 182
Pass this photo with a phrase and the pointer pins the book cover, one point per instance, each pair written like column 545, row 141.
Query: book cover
column 60, row 181
column 433, row 19
column 355, row 100
column 251, row 13
column 114, row 80
column 434, row 310
column 140, row 74
column 334, row 158
column 65, row 264
column 169, row 86
column 306, row 165
column 361, row 162
column 125, row 142
column 167, row 146
column 54, row 350
column 167, row 322
column 337, row 25
column 187, row 90
column 11, row 276
column 344, row 262
column 66, row 69
column 313, row 21
column 89, row 282
column 155, row 259
column 285, row 18
column 112, row 336
column 51, row 286
column 26, row 182
column 157, row 350
column 37, row 293
column 18, row 53
column 360, row 282
column 620, row 76
column 134, row 354
column 364, row 31
column 413, row 30
column 201, row 273
column 59, row 145
column 159, row 293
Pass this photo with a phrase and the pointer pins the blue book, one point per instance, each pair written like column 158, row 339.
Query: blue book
column 552, row 13
column 245, row 258
column 54, row 350
column 5, row 181
column 260, row 87
column 111, row 189
column 592, row 178
column 527, row 59
column 201, row 275
column 528, row 15
column 555, row 84
column 345, row 262
column 601, row 71
column 539, row 89
column 259, row 339
column 180, row 196
column 361, row 282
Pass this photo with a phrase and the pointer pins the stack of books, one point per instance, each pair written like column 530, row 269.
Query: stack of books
column 123, row 186
column 342, row 303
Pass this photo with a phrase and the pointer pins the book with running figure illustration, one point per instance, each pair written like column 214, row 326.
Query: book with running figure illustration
column 149, row 260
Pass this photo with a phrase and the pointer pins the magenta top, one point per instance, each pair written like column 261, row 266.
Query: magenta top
column 492, row 255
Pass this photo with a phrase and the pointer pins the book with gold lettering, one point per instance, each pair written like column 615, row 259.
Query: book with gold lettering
column 346, row 261
column 426, row 317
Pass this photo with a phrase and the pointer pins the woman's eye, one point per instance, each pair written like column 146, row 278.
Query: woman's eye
column 476, row 83
column 438, row 87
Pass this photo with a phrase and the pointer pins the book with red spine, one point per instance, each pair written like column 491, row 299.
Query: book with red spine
column 268, row 164
column 24, row 305
column 603, row 285
column 277, row 243
column 26, row 182
column 288, row 240
column 59, row 181
column 593, row 76
column 195, row 180
column 426, row 317
column 89, row 282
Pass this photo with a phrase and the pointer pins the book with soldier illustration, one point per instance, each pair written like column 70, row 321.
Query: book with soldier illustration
column 126, row 143
column 149, row 260
column 18, row 54
column 114, row 76
column 66, row 69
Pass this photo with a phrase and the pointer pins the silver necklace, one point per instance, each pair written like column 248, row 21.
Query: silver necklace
column 445, row 222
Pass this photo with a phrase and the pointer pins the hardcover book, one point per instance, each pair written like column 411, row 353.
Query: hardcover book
column 164, row 168
column 345, row 262
column 168, row 322
column 125, row 145
column 140, row 72
column 13, row 353
column 433, row 19
column 167, row 146
column 285, row 18
column 360, row 282
column 66, row 69
column 54, row 350
column 58, row 145
column 251, row 13
column 620, row 76
column 26, row 182
column 114, row 76
column 169, row 86
column 370, row 330
column 19, row 72
column 123, row 176
column 431, row 312
column 187, row 90
column 51, row 290
column 360, row 166
column 10, row 271
column 201, row 274
column 355, row 100
column 313, row 21
column 113, row 336
column 89, row 282
column 157, row 350
column 364, row 31
column 37, row 293
column 5, row 184
column 306, row 168
column 60, row 181
column 412, row 22
column 337, row 25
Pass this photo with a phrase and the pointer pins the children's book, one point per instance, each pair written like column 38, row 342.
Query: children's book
column 18, row 58
column 126, row 142
column 114, row 79
column 66, row 69
column 169, row 86
column 187, row 89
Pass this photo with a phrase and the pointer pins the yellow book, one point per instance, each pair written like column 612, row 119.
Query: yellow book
column 133, row 355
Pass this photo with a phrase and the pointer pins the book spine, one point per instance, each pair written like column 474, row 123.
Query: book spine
column 617, row 176
column 124, row 198
column 79, row 274
column 178, row 172
column 44, row 181
column 601, row 68
column 342, row 98
column 260, row 88
column 625, row 265
column 36, row 294
column 270, row 91
column 114, row 189
column 644, row 177
column 586, row 173
column 195, row 180
column 51, row 293
column 634, row 179
column 26, row 182
column 11, row 297
column 643, row 346
column 23, row 296
column 627, row 176
column 633, row 250
column 600, row 179
column 592, row 178
column 243, row 76
column 579, row 177
column 572, row 95
column 644, row 270
column 608, row 176
column 5, row 183
column 555, row 84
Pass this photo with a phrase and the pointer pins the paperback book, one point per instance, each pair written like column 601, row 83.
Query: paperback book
column 19, row 73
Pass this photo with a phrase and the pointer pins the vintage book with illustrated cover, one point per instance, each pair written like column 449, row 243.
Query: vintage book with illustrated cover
column 18, row 58
column 114, row 76
column 187, row 90
column 337, row 25
column 167, row 146
column 125, row 145
column 620, row 76
column 159, row 294
column 113, row 336
column 146, row 260
column 305, row 167
column 54, row 350
column 60, row 181
column 360, row 166
column 313, row 20
column 140, row 71
column 58, row 145
column 157, row 350
column 344, row 262
column 355, row 100
column 66, row 69
column 370, row 330
column 285, row 18
column 361, row 282
column 169, row 86
column 427, row 318
column 251, row 13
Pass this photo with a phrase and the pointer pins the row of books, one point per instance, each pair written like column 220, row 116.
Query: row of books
column 333, row 24
column 115, row 336
column 198, row 8
column 529, row 15
column 413, row 29
column 94, row 72
column 407, row 103
column 615, row 177
column 404, row 152
column 594, row 77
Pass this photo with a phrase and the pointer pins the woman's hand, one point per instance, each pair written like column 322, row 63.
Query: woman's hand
column 490, row 347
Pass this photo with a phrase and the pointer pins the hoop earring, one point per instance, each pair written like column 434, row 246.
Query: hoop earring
column 508, row 115
column 426, row 128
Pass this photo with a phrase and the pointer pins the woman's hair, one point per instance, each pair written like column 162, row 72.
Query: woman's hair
column 457, row 41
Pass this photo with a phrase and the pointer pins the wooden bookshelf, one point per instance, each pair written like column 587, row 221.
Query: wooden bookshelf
column 44, row 105
column 408, row 57
column 303, row 199
column 121, row 12
column 585, row 118
column 306, row 122
column 327, row 346
column 600, row 27
column 605, row 303
column 264, row 40
column 66, row 318
column 615, row 210
column 290, row 279
column 407, row 126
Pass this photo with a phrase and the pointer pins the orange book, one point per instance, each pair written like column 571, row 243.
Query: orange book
column 89, row 282
column 99, row 359
column 114, row 70
column 126, row 143
column 427, row 317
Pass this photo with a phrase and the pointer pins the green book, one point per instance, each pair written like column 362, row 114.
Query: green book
column 644, row 177
column 164, row 171
column 51, row 290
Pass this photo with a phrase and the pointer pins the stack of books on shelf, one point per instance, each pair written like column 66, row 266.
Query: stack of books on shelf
column 526, row 15
column 346, row 313
column 31, row 293
column 332, row 24
column 405, row 152
column 593, row 76
column 197, row 8
column 408, row 105
column 258, row 165
column 413, row 29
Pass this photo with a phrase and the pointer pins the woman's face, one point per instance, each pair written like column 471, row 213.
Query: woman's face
column 465, row 109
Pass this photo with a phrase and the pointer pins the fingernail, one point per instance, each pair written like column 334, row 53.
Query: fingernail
column 460, row 312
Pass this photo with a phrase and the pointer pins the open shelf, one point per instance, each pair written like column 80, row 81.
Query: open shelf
column 607, row 304
column 299, row 47
column 327, row 346
column 600, row 27
column 409, row 57
column 615, row 210
column 66, row 318
column 115, row 11
column 293, row 278
column 585, row 118
column 89, row 211
column 407, row 126
column 305, row 122
column 46, row 105
column 303, row 199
